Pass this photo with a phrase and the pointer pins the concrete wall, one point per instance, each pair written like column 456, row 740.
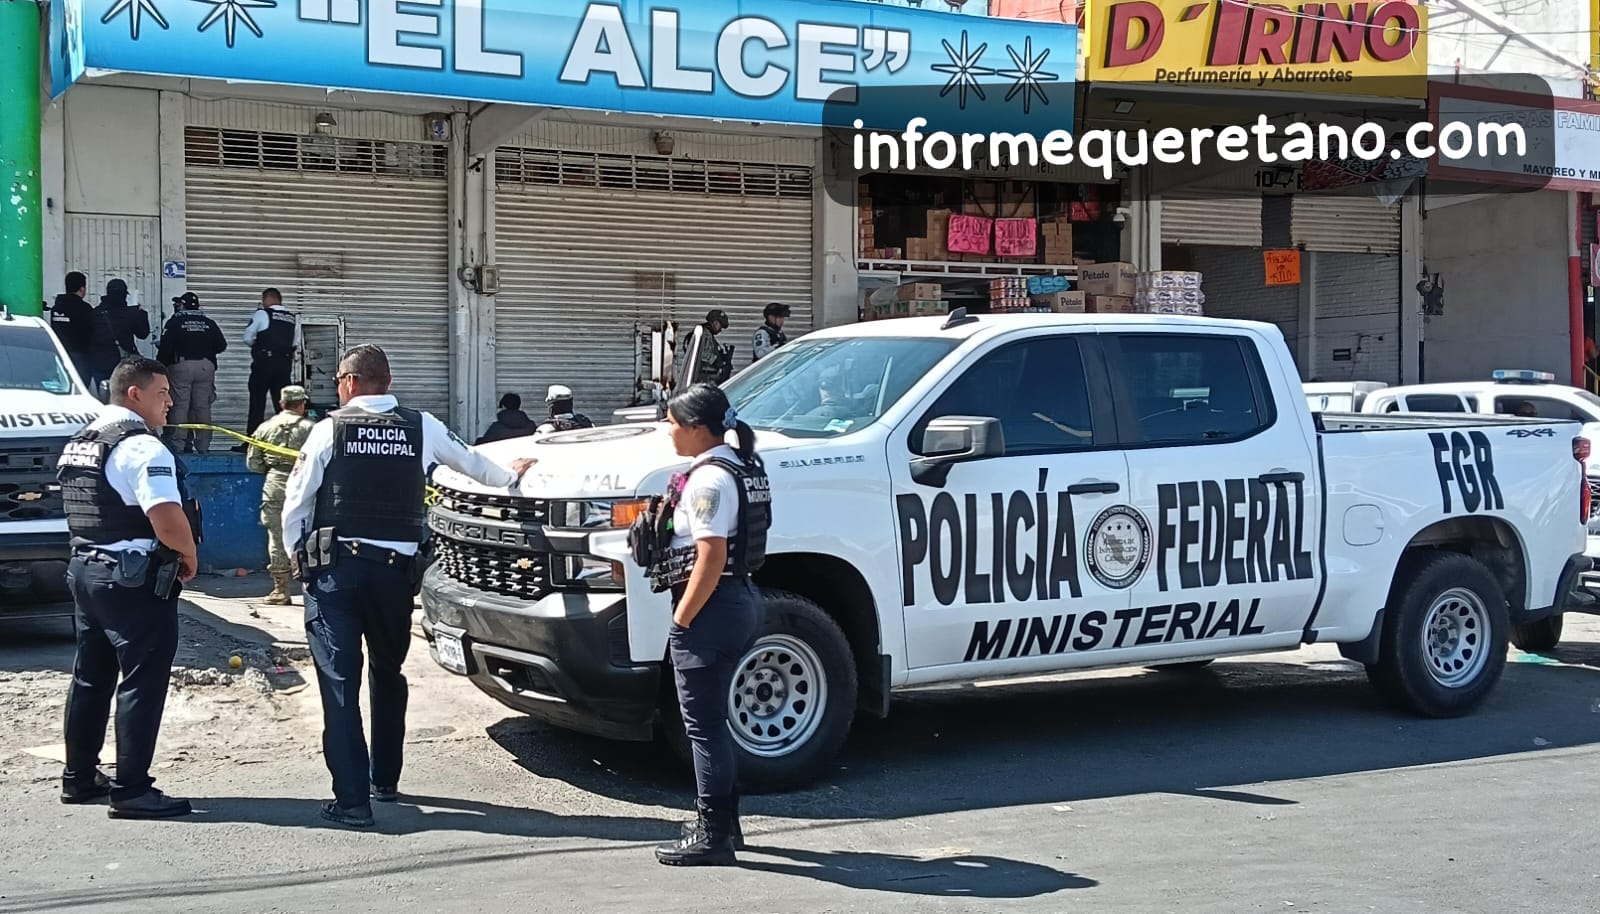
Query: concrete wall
column 112, row 151
column 1503, row 261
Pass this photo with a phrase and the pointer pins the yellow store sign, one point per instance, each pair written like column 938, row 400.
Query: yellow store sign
column 1330, row 48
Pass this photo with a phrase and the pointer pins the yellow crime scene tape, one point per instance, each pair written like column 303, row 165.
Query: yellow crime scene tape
column 431, row 498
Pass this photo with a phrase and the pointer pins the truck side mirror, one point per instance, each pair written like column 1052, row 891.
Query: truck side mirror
column 949, row 440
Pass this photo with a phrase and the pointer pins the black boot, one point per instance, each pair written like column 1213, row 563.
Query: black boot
column 736, row 833
column 708, row 841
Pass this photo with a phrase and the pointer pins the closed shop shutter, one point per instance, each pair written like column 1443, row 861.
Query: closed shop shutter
column 353, row 229
column 590, row 244
column 1358, row 317
column 1234, row 281
column 1360, row 225
column 1231, row 219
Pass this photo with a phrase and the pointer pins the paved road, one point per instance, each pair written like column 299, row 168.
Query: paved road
column 1265, row 784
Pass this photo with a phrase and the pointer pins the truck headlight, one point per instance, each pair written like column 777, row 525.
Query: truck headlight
column 600, row 513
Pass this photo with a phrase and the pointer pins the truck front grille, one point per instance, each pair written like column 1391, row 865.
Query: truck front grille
column 28, row 487
column 513, row 574
column 487, row 566
column 1594, row 497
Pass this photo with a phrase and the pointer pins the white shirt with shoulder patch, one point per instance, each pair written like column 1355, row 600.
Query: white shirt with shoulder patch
column 709, row 507
column 142, row 470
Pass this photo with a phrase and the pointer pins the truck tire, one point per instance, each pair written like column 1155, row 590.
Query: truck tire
column 1443, row 645
column 1538, row 636
column 793, row 698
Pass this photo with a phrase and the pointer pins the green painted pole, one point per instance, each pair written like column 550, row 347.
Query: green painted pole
column 21, row 216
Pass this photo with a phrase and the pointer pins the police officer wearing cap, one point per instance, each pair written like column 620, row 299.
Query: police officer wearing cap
column 720, row 512
column 190, row 344
column 769, row 336
column 134, row 530
column 273, row 337
column 562, row 418
column 353, row 517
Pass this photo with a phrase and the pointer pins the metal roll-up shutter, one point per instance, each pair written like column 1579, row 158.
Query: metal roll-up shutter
column 591, row 244
column 350, row 229
column 1229, row 219
column 1358, row 317
column 1234, row 281
column 1359, row 225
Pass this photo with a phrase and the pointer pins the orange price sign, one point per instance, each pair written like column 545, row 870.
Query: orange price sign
column 1283, row 267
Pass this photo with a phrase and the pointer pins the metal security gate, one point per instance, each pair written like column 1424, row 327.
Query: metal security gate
column 1342, row 222
column 104, row 248
column 344, row 228
column 1214, row 217
column 590, row 244
column 1357, row 316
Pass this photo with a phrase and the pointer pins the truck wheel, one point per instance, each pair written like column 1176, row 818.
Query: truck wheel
column 1538, row 636
column 1443, row 646
column 792, row 700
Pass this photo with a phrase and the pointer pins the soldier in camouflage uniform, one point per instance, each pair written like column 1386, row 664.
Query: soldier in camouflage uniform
column 288, row 429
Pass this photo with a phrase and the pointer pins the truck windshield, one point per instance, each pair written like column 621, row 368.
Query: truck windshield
column 823, row 388
column 29, row 361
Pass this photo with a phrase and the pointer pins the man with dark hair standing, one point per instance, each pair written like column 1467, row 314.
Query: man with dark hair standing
column 273, row 337
column 117, row 325
column 353, row 519
column 134, row 530
column 72, row 319
column 190, row 343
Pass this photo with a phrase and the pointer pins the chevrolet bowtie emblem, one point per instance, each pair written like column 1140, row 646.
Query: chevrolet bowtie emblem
column 30, row 496
column 524, row 564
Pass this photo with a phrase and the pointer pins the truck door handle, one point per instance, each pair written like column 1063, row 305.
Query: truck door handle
column 1094, row 488
column 1280, row 476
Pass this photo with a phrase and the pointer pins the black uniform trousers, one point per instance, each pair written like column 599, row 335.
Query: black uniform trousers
column 127, row 631
column 269, row 375
column 705, row 657
column 358, row 600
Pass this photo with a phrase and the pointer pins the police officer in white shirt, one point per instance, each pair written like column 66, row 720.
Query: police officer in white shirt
column 353, row 518
column 133, row 531
column 721, row 513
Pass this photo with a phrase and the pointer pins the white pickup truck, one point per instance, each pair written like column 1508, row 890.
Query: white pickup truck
column 43, row 402
column 994, row 496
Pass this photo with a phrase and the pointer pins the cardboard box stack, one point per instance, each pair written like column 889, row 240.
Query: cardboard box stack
column 908, row 300
column 1055, row 294
column 938, row 232
column 866, row 234
column 1110, row 286
column 1057, row 241
column 1169, row 292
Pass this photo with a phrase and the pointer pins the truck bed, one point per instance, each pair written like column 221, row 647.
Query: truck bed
column 1336, row 423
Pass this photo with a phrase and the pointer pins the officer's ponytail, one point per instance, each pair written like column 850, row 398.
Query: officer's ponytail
column 707, row 405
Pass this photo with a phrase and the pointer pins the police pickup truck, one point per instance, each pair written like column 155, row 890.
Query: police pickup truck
column 42, row 404
column 972, row 497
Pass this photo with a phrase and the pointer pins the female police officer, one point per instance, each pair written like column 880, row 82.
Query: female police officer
column 720, row 514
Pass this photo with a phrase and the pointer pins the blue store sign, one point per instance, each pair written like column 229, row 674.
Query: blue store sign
column 777, row 61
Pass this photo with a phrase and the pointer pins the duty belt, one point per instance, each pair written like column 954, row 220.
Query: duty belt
column 376, row 554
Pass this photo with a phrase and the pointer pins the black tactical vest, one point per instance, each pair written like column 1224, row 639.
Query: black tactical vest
column 775, row 337
column 374, row 484
column 277, row 341
column 96, row 514
column 747, row 548
column 194, row 336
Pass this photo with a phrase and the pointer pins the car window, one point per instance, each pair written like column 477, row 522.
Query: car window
column 1035, row 388
column 1434, row 403
column 1539, row 408
column 1191, row 388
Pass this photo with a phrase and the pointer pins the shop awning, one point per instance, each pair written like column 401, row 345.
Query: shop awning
column 811, row 62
